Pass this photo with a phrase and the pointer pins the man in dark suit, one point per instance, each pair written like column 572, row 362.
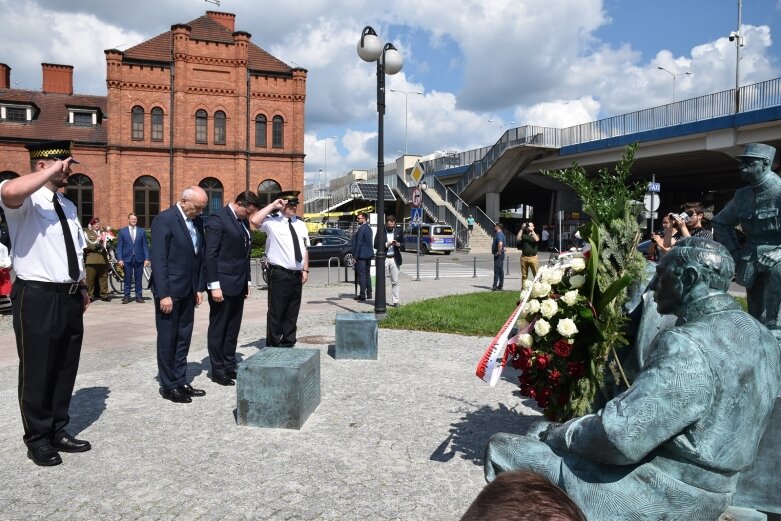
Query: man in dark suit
column 228, row 246
column 177, row 282
column 393, row 238
column 363, row 253
column 133, row 255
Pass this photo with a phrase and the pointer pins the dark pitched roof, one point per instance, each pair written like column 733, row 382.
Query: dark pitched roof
column 158, row 49
column 51, row 119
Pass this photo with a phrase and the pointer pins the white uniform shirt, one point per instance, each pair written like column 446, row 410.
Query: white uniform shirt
column 279, row 241
column 38, row 246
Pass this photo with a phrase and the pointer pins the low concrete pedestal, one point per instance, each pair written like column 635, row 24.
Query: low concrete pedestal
column 356, row 336
column 278, row 387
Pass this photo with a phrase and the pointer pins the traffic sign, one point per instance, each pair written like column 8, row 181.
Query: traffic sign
column 417, row 172
column 655, row 187
column 416, row 217
column 651, row 202
column 417, row 197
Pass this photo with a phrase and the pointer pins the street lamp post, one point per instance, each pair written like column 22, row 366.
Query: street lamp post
column 406, row 96
column 389, row 61
column 736, row 36
column 674, row 75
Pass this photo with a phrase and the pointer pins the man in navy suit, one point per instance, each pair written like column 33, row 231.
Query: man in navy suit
column 228, row 246
column 363, row 253
column 133, row 255
column 177, row 282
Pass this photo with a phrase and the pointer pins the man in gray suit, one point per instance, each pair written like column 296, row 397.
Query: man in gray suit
column 673, row 445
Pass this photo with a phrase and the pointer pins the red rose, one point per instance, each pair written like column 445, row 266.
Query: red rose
column 525, row 378
column 542, row 361
column 528, row 390
column 542, row 402
column 524, row 364
column 546, row 392
column 576, row 369
column 525, row 352
column 562, row 348
column 554, row 377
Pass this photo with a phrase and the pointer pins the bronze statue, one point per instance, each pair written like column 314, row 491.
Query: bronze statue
column 756, row 209
column 671, row 446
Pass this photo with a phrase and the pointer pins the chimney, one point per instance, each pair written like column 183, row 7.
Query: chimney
column 57, row 78
column 5, row 76
column 228, row 20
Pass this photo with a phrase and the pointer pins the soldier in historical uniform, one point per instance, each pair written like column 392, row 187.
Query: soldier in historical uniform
column 756, row 209
column 673, row 445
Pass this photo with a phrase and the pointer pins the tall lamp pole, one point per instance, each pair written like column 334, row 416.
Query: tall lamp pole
column 406, row 97
column 674, row 75
column 389, row 61
column 737, row 37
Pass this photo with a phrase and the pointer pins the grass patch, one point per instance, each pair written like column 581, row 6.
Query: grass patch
column 470, row 314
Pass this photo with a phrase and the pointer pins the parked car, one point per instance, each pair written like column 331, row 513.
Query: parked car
column 334, row 232
column 323, row 247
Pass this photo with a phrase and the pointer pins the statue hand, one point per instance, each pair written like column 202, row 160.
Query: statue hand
column 770, row 258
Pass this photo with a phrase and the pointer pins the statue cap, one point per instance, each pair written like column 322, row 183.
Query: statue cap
column 759, row 150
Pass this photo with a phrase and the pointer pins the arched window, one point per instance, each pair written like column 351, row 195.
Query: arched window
column 80, row 192
column 214, row 191
column 260, row 131
column 201, row 126
column 277, row 132
column 157, row 124
column 219, row 128
column 146, row 199
column 268, row 191
column 137, row 123
column 7, row 174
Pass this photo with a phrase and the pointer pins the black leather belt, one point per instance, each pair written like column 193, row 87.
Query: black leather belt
column 57, row 287
column 280, row 268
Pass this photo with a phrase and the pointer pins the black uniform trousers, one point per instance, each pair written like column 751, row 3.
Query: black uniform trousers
column 284, row 302
column 49, row 327
column 174, row 332
column 363, row 266
column 223, row 335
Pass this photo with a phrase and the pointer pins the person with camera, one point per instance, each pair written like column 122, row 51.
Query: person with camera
column 96, row 261
column 688, row 223
column 527, row 242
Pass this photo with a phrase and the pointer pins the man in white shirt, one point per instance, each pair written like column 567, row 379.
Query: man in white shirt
column 286, row 242
column 50, row 297
column 393, row 238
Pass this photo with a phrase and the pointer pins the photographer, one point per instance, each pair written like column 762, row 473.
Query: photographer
column 527, row 240
column 686, row 224
column 96, row 261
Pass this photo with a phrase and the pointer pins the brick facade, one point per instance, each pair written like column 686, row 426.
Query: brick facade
column 200, row 66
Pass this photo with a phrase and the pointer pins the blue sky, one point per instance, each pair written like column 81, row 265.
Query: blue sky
column 544, row 62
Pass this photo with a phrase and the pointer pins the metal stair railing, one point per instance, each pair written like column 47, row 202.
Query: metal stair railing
column 480, row 217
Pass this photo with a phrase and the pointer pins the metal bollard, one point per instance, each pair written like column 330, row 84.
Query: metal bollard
column 474, row 268
column 507, row 271
column 436, row 277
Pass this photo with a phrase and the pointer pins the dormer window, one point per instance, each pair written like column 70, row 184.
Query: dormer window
column 82, row 117
column 17, row 113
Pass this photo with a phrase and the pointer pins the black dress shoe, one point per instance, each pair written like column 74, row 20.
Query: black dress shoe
column 232, row 374
column 126, row 301
column 44, row 455
column 175, row 395
column 359, row 297
column 140, row 300
column 222, row 380
column 105, row 299
column 188, row 390
column 67, row 443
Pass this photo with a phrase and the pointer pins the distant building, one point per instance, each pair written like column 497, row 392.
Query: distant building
column 197, row 105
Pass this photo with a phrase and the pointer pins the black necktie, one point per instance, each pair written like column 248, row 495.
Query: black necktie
column 296, row 246
column 70, row 249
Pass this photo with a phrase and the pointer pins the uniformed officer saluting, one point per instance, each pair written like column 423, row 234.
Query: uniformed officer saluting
column 49, row 298
column 286, row 242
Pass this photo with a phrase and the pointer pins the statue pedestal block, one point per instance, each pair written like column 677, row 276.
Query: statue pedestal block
column 278, row 388
column 356, row 336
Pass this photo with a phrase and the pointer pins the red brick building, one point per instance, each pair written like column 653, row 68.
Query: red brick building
column 197, row 105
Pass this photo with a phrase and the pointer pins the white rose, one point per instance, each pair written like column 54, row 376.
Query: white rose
column 578, row 264
column 548, row 308
column 540, row 289
column 525, row 340
column 566, row 327
column 527, row 284
column 532, row 307
column 554, row 276
column 522, row 324
column 541, row 327
column 570, row 297
column 577, row 281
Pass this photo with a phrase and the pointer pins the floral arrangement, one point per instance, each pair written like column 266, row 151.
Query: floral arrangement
column 573, row 324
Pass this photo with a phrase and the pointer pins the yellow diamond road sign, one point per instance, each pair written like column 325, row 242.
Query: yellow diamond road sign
column 417, row 172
